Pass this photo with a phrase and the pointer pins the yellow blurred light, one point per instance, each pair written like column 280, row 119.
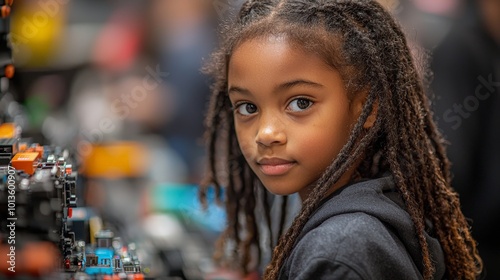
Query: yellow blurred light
column 36, row 28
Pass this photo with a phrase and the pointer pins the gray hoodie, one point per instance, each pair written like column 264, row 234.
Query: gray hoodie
column 361, row 231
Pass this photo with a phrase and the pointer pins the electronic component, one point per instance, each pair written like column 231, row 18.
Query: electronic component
column 38, row 191
column 8, row 147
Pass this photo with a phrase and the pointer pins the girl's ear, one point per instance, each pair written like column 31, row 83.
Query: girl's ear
column 359, row 102
column 372, row 117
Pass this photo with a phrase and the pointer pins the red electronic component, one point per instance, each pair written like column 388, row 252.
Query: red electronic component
column 9, row 69
column 138, row 276
column 67, row 263
column 5, row 10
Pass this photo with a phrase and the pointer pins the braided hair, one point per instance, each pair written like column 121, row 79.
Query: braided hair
column 366, row 45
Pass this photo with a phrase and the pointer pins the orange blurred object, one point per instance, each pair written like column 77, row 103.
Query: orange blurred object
column 26, row 162
column 35, row 149
column 40, row 258
column 7, row 130
column 35, row 258
column 138, row 276
column 23, row 146
column 5, row 11
column 116, row 160
column 9, row 71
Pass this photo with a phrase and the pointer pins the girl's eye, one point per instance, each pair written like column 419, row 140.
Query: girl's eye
column 299, row 104
column 246, row 109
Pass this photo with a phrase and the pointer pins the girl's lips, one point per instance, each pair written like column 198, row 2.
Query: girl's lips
column 275, row 166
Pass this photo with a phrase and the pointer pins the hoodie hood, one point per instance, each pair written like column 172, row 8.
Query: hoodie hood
column 379, row 198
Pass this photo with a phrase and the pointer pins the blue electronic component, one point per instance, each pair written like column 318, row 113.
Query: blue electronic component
column 101, row 262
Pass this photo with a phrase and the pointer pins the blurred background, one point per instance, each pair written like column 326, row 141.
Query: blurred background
column 119, row 84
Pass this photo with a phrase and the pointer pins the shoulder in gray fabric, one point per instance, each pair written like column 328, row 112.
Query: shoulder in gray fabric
column 362, row 231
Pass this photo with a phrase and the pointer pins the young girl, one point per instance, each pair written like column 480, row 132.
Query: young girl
column 322, row 98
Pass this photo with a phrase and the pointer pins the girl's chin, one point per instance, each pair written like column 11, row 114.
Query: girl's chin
column 279, row 191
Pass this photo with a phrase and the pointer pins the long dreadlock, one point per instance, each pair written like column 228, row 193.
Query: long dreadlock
column 366, row 45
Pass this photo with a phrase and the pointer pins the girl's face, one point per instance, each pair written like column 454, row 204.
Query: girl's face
column 291, row 113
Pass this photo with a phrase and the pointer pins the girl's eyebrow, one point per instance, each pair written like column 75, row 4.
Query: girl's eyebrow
column 237, row 89
column 280, row 87
column 298, row 82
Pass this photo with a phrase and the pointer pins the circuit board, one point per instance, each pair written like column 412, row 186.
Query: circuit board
column 38, row 195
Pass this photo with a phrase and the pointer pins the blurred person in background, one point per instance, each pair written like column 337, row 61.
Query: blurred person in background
column 118, row 94
column 184, row 31
column 466, row 86
column 96, row 82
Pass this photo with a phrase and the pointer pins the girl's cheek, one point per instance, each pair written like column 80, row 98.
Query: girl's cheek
column 245, row 146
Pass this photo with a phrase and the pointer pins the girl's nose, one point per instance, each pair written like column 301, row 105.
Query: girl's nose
column 271, row 132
